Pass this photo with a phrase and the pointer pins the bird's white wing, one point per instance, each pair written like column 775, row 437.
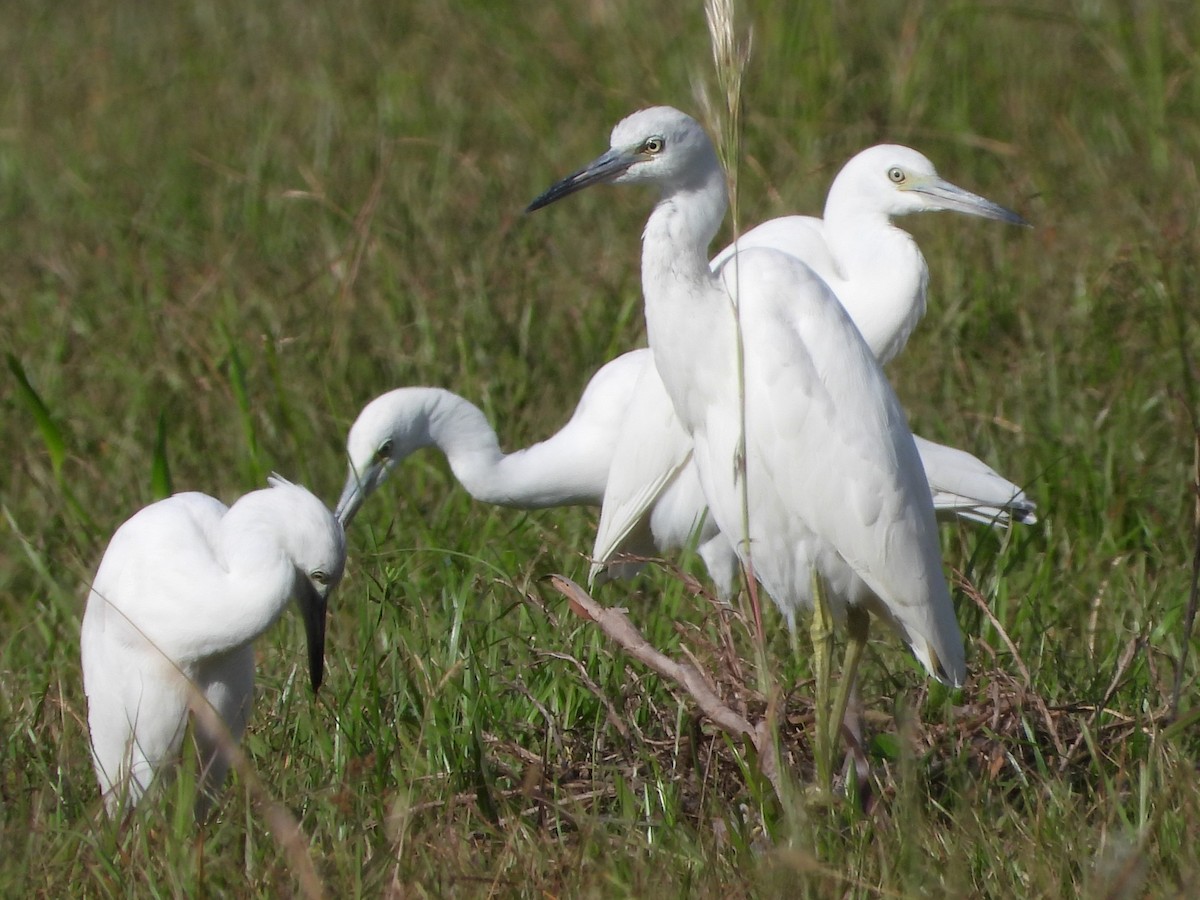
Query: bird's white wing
column 128, row 675
column 799, row 236
column 817, row 394
column 136, row 720
column 157, row 573
column 651, row 449
column 965, row 486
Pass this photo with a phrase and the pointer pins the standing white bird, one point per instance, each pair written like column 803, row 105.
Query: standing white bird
column 184, row 588
column 824, row 489
column 879, row 275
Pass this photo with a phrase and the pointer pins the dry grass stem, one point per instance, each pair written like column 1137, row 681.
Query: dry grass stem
column 971, row 591
column 618, row 627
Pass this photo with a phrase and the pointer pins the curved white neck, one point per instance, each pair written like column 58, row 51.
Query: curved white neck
column 242, row 599
column 543, row 475
column 684, row 222
column 684, row 304
column 885, row 275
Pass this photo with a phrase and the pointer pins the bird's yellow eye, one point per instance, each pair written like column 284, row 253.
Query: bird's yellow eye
column 385, row 450
column 896, row 174
column 653, row 146
column 320, row 577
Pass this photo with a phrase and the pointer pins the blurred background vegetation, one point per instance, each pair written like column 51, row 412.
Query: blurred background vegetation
column 226, row 226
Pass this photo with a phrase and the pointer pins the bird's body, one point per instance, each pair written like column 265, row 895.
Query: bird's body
column 184, row 588
column 878, row 274
column 833, row 481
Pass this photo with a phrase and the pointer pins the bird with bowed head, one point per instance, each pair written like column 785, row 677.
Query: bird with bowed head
column 567, row 469
column 183, row 590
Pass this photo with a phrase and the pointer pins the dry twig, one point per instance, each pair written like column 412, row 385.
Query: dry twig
column 614, row 623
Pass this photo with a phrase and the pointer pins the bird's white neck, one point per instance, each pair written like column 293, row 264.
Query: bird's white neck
column 532, row 478
column 885, row 275
column 258, row 587
column 684, row 222
column 686, row 310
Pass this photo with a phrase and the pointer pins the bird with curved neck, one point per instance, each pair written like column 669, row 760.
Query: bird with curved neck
column 567, row 469
column 183, row 590
column 877, row 272
column 824, row 490
column 585, row 463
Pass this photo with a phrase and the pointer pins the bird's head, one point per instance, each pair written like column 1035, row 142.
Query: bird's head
column 315, row 543
column 389, row 428
column 659, row 145
column 892, row 180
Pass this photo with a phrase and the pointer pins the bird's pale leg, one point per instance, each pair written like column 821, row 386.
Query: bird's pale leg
column 856, row 771
column 821, row 634
column 858, row 625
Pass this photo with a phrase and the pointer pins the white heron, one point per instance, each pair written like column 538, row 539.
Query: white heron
column 582, row 464
column 567, row 469
column 879, row 275
column 875, row 269
column 182, row 591
column 825, row 478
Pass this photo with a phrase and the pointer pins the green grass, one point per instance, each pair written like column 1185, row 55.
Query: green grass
column 228, row 226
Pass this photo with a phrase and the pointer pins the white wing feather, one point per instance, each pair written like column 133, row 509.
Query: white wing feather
column 825, row 400
column 651, row 451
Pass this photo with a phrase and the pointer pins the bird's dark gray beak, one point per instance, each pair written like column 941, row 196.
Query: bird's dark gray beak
column 953, row 198
column 312, row 607
column 604, row 168
column 353, row 495
column 359, row 486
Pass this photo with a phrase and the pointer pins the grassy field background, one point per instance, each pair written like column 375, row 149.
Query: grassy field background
column 226, row 226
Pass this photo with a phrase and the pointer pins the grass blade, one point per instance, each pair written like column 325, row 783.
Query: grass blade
column 241, row 395
column 52, row 435
column 160, row 470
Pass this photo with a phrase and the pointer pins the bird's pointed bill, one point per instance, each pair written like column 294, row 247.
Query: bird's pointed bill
column 608, row 166
column 357, row 489
column 312, row 607
column 951, row 197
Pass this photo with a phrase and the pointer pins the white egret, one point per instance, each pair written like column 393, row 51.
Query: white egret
column 184, row 588
column 875, row 269
column 575, row 466
column 825, row 479
column 879, row 275
column 567, row 469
